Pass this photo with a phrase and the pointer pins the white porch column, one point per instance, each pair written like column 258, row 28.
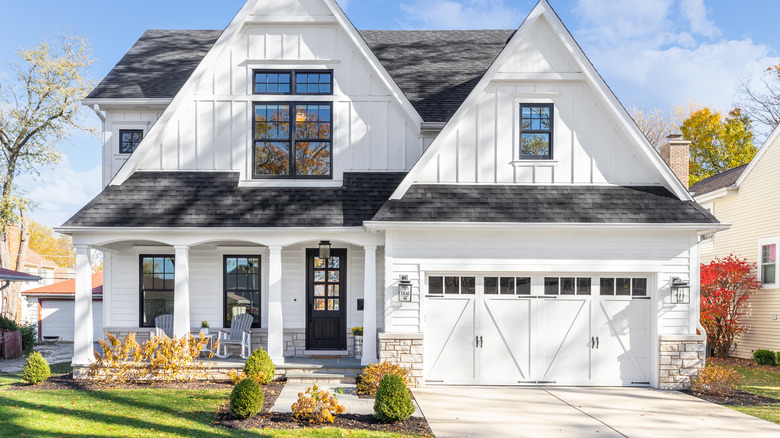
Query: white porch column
column 181, row 291
column 82, row 324
column 369, row 307
column 275, row 323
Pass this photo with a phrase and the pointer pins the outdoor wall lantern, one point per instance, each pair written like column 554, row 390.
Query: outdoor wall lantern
column 324, row 249
column 405, row 289
column 681, row 291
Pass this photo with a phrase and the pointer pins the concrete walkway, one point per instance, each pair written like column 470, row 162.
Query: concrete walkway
column 344, row 392
column 580, row 412
column 53, row 353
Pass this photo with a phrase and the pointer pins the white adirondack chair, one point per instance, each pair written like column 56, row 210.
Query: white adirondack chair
column 163, row 326
column 238, row 334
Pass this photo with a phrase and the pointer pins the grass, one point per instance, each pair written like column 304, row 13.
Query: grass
column 136, row 413
column 763, row 382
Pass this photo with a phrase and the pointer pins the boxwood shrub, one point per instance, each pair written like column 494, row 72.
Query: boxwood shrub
column 246, row 399
column 764, row 357
column 393, row 402
column 260, row 366
column 36, row 369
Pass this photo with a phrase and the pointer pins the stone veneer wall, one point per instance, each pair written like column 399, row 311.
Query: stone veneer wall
column 406, row 350
column 680, row 359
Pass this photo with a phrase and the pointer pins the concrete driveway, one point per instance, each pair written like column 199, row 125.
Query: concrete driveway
column 567, row 412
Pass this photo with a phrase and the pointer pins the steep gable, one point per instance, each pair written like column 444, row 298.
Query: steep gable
column 594, row 139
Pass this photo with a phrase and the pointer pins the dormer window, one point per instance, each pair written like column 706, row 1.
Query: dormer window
column 300, row 82
column 129, row 139
column 536, row 131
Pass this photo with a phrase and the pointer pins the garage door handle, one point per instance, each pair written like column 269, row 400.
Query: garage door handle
column 476, row 341
column 597, row 342
column 480, row 342
column 592, row 342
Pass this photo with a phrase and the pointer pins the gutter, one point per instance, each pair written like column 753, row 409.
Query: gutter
column 702, row 228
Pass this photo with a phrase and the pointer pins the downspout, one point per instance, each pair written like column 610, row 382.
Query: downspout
column 102, row 117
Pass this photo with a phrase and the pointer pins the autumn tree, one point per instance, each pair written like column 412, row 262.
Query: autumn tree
column 726, row 284
column 718, row 142
column 51, row 245
column 39, row 106
column 654, row 124
column 761, row 102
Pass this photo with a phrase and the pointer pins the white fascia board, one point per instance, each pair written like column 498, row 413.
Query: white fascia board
column 715, row 195
column 383, row 225
column 121, row 102
column 767, row 144
column 190, row 230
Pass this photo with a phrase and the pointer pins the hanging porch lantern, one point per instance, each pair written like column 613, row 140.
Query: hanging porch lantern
column 324, row 249
column 681, row 291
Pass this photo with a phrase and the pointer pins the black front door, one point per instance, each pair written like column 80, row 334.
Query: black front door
column 326, row 290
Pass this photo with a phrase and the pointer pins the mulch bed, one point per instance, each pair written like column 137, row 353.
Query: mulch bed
column 66, row 381
column 275, row 420
column 739, row 398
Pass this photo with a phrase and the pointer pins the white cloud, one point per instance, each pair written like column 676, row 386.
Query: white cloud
column 696, row 13
column 59, row 192
column 460, row 14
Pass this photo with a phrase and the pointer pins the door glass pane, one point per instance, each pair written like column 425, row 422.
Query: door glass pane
column 491, row 285
column 523, row 285
column 333, row 304
column 507, row 285
column 623, row 286
column 607, row 286
column 319, row 276
column 435, row 285
column 319, row 304
column 567, row 286
column 468, row 285
column 333, row 262
column 551, row 285
column 319, row 290
column 639, row 288
column 333, row 290
column 333, row 276
column 451, row 285
column 319, row 263
column 583, row 286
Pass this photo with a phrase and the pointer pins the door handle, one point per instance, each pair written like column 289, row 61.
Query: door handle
column 597, row 342
column 480, row 342
column 592, row 342
column 476, row 341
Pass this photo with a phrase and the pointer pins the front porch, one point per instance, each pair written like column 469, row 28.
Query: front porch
column 286, row 290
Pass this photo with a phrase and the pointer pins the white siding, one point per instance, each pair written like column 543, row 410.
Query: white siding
column 660, row 255
column 57, row 319
column 117, row 120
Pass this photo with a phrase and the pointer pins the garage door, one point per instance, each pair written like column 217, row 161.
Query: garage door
column 57, row 319
column 506, row 330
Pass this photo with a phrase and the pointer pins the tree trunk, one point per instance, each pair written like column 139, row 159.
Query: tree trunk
column 12, row 297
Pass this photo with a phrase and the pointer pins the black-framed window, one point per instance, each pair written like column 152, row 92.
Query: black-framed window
column 129, row 139
column 241, row 288
column 567, row 286
column 301, row 82
column 508, row 285
column 636, row 287
column 536, row 131
column 452, row 285
column 293, row 140
column 157, row 275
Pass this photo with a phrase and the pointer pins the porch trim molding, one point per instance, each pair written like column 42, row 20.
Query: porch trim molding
column 82, row 323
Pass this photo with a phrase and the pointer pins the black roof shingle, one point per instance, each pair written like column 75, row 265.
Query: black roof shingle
column 542, row 204
column 719, row 181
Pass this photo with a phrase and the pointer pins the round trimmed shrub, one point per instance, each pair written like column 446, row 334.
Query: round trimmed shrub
column 393, row 402
column 764, row 357
column 260, row 366
column 246, row 399
column 36, row 369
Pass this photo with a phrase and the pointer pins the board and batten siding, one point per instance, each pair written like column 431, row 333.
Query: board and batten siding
column 206, row 284
column 117, row 120
column 657, row 255
column 752, row 215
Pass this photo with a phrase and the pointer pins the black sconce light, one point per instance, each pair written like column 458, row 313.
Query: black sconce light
column 681, row 291
column 324, row 249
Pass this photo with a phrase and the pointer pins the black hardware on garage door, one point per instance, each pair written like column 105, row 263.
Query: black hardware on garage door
column 326, row 289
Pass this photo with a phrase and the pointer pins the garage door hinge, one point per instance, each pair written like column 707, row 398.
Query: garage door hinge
column 640, row 383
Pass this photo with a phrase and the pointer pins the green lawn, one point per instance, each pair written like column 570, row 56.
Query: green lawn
column 762, row 382
column 136, row 413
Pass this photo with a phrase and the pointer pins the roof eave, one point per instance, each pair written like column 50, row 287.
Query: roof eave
column 702, row 227
column 715, row 194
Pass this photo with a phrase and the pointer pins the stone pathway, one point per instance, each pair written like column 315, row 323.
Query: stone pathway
column 53, row 353
column 348, row 398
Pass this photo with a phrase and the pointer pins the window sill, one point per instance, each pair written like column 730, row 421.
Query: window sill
column 525, row 163
column 290, row 183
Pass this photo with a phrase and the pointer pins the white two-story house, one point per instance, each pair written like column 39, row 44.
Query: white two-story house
column 491, row 213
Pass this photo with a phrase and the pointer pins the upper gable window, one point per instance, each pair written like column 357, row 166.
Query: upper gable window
column 129, row 139
column 536, row 131
column 293, row 82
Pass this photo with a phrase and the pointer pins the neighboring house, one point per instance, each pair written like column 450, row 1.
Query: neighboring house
column 745, row 197
column 491, row 212
column 54, row 308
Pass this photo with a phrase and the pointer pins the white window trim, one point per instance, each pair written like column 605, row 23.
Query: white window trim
column 125, row 126
column 759, row 261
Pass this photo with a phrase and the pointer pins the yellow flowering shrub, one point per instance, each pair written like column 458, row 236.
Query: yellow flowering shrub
column 715, row 380
column 316, row 406
column 368, row 381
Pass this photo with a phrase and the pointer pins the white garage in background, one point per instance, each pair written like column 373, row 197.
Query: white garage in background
column 54, row 304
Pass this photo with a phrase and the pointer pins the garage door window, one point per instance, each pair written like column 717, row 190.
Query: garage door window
column 508, row 285
column 157, row 278
column 635, row 287
column 452, row 285
column 566, row 286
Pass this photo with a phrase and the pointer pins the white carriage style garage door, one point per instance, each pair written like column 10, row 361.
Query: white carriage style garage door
column 508, row 330
column 57, row 319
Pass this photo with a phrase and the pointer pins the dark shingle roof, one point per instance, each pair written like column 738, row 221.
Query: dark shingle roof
column 213, row 199
column 719, row 181
column 158, row 65
column 542, row 204
column 435, row 69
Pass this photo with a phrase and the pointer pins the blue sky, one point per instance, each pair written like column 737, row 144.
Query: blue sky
column 653, row 53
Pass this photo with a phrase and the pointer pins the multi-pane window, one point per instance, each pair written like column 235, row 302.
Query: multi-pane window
column 129, row 139
column 452, row 285
column 566, row 286
column 768, row 263
column 635, row 287
column 327, row 283
column 536, row 131
column 508, row 285
column 293, row 82
column 242, row 288
column 293, row 140
column 157, row 279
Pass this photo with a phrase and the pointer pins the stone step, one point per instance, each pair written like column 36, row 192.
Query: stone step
column 326, row 370
column 320, row 377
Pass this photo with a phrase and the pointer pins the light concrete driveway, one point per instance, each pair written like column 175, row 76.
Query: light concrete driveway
column 568, row 412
